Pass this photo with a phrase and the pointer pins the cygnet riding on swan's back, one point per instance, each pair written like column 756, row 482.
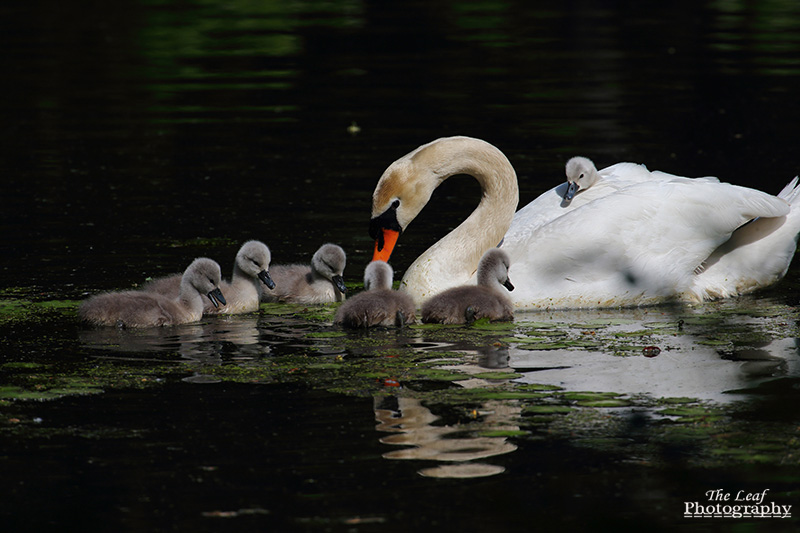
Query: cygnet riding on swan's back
column 582, row 175
column 467, row 303
column 135, row 309
column 378, row 305
column 250, row 269
column 321, row 282
column 654, row 239
column 584, row 184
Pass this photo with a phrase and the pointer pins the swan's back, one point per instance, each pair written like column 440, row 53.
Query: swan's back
column 638, row 246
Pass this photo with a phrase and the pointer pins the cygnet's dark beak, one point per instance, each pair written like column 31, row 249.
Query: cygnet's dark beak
column 507, row 284
column 216, row 297
column 570, row 192
column 264, row 277
column 339, row 282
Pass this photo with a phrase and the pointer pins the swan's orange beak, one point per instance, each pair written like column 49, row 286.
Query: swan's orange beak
column 389, row 240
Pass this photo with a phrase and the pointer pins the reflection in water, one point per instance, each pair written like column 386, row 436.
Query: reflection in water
column 687, row 365
column 458, row 445
column 235, row 337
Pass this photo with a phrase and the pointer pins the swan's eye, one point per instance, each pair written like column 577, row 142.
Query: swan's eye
column 580, row 177
column 255, row 263
column 396, row 204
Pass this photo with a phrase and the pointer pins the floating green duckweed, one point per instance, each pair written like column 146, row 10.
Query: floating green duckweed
column 21, row 310
column 523, row 340
column 539, row 387
column 326, row 334
column 535, row 325
column 687, row 411
column 589, row 396
column 547, row 409
column 325, row 366
column 666, row 325
column 497, row 375
column 496, row 433
column 613, row 402
column 639, row 333
column 320, row 313
column 68, row 305
column 676, row 400
column 435, row 327
column 604, row 322
column 534, row 346
column 22, row 365
column 550, row 333
column 484, row 394
column 279, row 309
column 48, row 389
column 19, row 393
column 486, row 324
column 437, row 374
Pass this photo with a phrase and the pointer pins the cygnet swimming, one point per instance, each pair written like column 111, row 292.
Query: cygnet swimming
column 250, row 270
column 467, row 303
column 378, row 305
column 320, row 282
column 138, row 309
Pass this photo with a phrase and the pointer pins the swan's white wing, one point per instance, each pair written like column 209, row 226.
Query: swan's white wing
column 640, row 245
column 550, row 205
column 626, row 172
column 659, row 175
column 757, row 255
column 541, row 211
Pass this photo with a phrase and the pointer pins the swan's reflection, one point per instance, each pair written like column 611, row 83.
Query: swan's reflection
column 412, row 424
column 685, row 367
column 234, row 337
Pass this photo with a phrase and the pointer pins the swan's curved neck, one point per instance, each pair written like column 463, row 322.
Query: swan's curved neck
column 454, row 259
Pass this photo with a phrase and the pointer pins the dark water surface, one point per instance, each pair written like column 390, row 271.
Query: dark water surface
column 137, row 135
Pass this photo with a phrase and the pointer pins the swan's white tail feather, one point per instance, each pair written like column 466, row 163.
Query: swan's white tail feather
column 756, row 256
column 791, row 192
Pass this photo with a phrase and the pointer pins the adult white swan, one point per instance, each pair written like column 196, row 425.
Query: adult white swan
column 655, row 238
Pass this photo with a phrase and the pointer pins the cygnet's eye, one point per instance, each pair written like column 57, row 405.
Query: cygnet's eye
column 256, row 263
column 395, row 204
column 580, row 177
